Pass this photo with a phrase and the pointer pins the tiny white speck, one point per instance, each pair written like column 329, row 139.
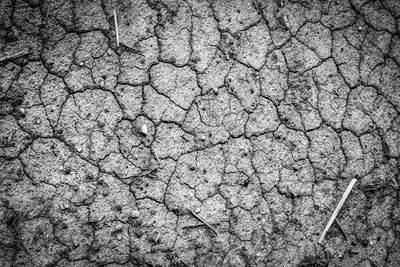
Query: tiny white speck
column 144, row 129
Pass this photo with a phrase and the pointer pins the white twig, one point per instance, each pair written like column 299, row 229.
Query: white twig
column 158, row 237
column 256, row 246
column 336, row 212
column 155, row 154
column 341, row 229
column 28, row 151
column 116, row 27
column 203, row 221
column 227, row 256
column 285, row 19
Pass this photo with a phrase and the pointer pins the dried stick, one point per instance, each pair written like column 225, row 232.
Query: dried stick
column 47, row 14
column 256, row 246
column 285, row 19
column 158, row 160
column 227, row 256
column 197, row 225
column 116, row 27
column 10, row 137
column 15, row 55
column 341, row 229
column 336, row 212
column 158, row 236
column 203, row 221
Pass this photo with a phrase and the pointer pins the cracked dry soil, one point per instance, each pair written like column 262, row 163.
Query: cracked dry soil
column 258, row 115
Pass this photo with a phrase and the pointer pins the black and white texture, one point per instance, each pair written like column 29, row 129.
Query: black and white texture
column 252, row 114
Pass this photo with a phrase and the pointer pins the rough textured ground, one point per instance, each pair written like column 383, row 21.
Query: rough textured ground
column 258, row 114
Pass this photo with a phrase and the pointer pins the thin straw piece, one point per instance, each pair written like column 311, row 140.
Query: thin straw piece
column 336, row 212
column 116, row 27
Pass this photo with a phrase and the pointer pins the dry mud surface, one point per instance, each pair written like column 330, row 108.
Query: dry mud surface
column 258, row 114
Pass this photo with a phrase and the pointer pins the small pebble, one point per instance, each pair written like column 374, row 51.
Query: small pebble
column 119, row 237
column 38, row 121
column 22, row 111
column 102, row 83
column 144, row 129
column 203, row 137
column 360, row 28
column 79, row 149
column 197, row 210
column 135, row 214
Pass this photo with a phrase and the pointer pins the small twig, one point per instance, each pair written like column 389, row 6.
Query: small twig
column 341, row 229
column 14, row 56
column 155, row 154
column 198, row 225
column 143, row 174
column 371, row 188
column 116, row 27
column 327, row 7
column 285, row 19
column 158, row 236
column 174, row 255
column 47, row 14
column 336, row 212
column 10, row 137
column 148, row 172
column 227, row 256
column 28, row 152
column 183, row 262
column 177, row 259
column 329, row 3
column 256, row 246
column 395, row 183
column 203, row 221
